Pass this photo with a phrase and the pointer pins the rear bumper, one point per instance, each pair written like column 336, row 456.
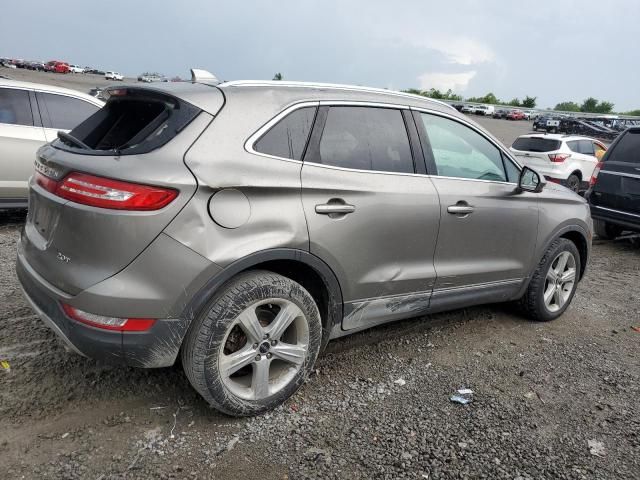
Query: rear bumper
column 630, row 221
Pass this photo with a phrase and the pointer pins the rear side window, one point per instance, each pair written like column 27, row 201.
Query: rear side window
column 536, row 144
column 15, row 107
column 366, row 138
column 586, row 147
column 62, row 112
column 288, row 137
column 134, row 123
column 627, row 149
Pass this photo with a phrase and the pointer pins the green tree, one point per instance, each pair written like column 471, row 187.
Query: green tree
column 568, row 107
column 529, row 102
column 489, row 98
column 592, row 105
column 278, row 76
column 634, row 113
column 515, row 102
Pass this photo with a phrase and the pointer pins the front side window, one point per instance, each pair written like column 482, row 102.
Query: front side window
column 366, row 138
column 288, row 137
column 15, row 107
column 62, row 112
column 461, row 152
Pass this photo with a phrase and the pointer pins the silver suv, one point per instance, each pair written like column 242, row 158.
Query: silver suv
column 244, row 225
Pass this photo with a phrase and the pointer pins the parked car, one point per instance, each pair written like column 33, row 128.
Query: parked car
column 540, row 123
column 468, row 109
column 566, row 159
column 486, row 110
column 515, row 115
column 31, row 115
column 152, row 77
column 458, row 106
column 109, row 75
column 76, row 69
column 248, row 271
column 56, row 66
column 500, row 113
column 614, row 193
column 530, row 114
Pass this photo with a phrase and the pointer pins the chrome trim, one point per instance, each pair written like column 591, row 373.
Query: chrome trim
column 356, row 103
column 475, row 286
column 51, row 324
column 620, row 174
column 332, row 86
column 615, row 211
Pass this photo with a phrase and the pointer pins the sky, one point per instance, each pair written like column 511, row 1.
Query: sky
column 555, row 50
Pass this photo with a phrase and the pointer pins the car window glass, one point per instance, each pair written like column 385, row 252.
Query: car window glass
column 288, row 137
column 366, row 138
column 459, row 151
column 513, row 173
column 573, row 146
column 586, row 147
column 15, row 107
column 62, row 112
column 627, row 149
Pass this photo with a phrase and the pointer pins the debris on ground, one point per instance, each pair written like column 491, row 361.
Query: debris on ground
column 4, row 364
column 463, row 396
column 596, row 448
column 635, row 329
column 401, row 382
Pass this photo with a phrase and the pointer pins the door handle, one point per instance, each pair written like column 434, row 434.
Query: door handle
column 335, row 208
column 460, row 209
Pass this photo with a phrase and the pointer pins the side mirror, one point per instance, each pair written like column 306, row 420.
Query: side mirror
column 531, row 181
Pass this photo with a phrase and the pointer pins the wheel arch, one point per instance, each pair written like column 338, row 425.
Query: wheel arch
column 300, row 266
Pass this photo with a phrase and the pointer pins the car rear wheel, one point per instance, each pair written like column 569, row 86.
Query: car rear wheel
column 554, row 282
column 573, row 182
column 255, row 344
column 605, row 230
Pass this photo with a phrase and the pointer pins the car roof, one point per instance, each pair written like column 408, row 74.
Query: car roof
column 558, row 136
column 50, row 89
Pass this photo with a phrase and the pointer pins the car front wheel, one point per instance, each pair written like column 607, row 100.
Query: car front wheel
column 554, row 282
column 255, row 344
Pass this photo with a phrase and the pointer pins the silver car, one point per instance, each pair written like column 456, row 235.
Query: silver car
column 31, row 114
column 243, row 225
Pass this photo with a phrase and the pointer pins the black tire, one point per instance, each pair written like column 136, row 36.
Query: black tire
column 532, row 303
column 606, row 231
column 204, row 341
column 573, row 183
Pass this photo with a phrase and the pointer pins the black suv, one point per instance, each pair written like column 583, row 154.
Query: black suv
column 614, row 195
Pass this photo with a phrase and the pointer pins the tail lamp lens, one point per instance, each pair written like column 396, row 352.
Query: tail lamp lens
column 558, row 157
column 594, row 175
column 107, row 193
column 108, row 323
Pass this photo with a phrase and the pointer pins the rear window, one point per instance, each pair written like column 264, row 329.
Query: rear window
column 137, row 122
column 627, row 149
column 536, row 144
column 288, row 137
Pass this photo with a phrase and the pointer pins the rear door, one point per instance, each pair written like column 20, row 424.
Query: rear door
column 62, row 112
column 21, row 134
column 487, row 230
column 371, row 218
column 618, row 185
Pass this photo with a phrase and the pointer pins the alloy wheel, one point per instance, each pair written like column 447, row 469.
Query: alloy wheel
column 559, row 282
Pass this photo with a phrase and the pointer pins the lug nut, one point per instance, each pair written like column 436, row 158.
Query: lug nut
column 266, row 335
column 269, row 355
column 258, row 357
column 274, row 343
column 255, row 345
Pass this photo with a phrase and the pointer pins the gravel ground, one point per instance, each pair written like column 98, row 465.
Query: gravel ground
column 377, row 406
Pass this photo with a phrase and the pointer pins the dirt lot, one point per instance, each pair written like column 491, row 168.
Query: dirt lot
column 542, row 393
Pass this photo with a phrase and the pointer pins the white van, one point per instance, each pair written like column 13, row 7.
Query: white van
column 486, row 110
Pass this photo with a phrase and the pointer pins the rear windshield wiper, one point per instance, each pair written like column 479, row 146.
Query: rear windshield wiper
column 71, row 139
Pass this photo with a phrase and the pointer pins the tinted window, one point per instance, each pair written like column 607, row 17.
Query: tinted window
column 627, row 149
column 289, row 136
column 63, row 112
column 366, row 138
column 15, row 107
column 586, row 147
column 460, row 152
column 513, row 173
column 536, row 144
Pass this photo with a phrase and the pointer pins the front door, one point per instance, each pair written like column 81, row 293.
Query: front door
column 488, row 230
column 370, row 217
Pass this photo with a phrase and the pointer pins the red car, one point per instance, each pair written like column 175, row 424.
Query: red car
column 515, row 115
column 57, row 66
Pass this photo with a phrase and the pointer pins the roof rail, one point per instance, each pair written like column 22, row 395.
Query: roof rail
column 203, row 76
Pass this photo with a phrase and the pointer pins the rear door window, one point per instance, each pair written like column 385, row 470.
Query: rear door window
column 289, row 136
column 366, row 138
column 15, row 107
column 586, row 147
column 62, row 112
column 536, row 144
column 627, row 149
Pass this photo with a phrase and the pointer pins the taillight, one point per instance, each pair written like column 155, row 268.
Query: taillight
column 558, row 157
column 594, row 175
column 107, row 193
column 108, row 323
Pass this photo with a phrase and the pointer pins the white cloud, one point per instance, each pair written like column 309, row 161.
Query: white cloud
column 457, row 82
column 462, row 50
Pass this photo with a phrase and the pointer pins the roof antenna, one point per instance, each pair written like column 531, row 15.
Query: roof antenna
column 203, row 76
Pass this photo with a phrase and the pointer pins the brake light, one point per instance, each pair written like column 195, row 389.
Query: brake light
column 594, row 175
column 107, row 193
column 558, row 157
column 108, row 323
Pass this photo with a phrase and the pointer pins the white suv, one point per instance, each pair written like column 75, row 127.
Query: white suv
column 565, row 159
column 113, row 76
